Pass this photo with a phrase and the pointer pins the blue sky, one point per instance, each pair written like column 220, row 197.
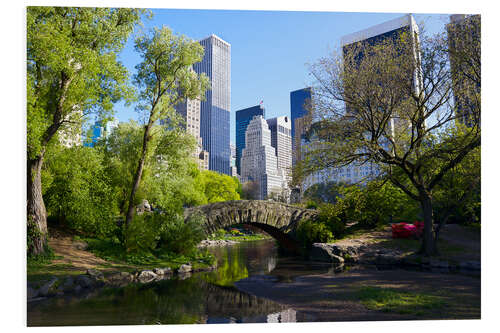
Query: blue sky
column 270, row 50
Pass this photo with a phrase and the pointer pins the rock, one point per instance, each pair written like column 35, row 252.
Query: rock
column 120, row 278
column 32, row 293
column 162, row 271
column 68, row 284
column 387, row 259
column 184, row 276
column 77, row 289
column 146, row 276
column 438, row 264
column 184, row 269
column 84, row 281
column 144, row 206
column 49, row 288
column 94, row 273
column 81, row 245
column 324, row 252
column 470, row 265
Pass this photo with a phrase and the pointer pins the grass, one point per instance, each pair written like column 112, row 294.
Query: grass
column 403, row 302
column 412, row 245
column 112, row 251
column 41, row 268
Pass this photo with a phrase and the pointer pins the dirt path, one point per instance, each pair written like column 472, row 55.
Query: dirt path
column 64, row 246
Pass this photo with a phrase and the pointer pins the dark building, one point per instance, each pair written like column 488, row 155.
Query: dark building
column 464, row 38
column 243, row 118
column 299, row 100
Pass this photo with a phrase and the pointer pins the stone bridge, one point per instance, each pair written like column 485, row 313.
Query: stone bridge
column 277, row 219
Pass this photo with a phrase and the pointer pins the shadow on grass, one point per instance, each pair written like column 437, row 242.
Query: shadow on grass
column 403, row 302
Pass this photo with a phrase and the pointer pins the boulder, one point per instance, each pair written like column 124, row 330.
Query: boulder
column 81, row 245
column 144, row 206
column 84, row 281
column 146, row 276
column 184, row 276
column 49, row 288
column 94, row 273
column 162, row 271
column 324, row 252
column 32, row 293
column 184, row 269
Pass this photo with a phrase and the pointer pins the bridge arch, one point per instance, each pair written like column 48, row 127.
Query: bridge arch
column 277, row 219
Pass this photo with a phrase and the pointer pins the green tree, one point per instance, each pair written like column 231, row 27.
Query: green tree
column 79, row 193
column 406, row 82
column 219, row 187
column 72, row 70
column 164, row 78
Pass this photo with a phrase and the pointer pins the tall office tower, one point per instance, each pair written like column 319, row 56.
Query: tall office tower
column 281, row 140
column 190, row 110
column 464, row 39
column 110, row 126
column 97, row 131
column 354, row 172
column 214, row 117
column 243, row 118
column 234, row 171
column 390, row 30
column 299, row 100
column 259, row 162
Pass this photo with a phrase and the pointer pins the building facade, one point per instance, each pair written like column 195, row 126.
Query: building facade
column 464, row 40
column 356, row 172
column 299, row 103
column 281, row 141
column 259, row 163
column 243, row 118
column 190, row 110
column 215, row 109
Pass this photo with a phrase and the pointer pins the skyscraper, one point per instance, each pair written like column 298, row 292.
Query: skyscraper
column 259, row 163
column 190, row 110
column 215, row 109
column 243, row 118
column 281, row 140
column 464, row 39
column 299, row 100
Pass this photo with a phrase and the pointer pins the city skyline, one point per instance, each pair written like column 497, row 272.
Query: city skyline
column 285, row 61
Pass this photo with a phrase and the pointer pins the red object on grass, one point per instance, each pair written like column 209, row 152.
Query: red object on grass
column 406, row 230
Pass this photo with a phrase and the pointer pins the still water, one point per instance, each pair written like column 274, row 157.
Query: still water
column 202, row 298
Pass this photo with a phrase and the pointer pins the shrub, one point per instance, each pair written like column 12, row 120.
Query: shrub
column 78, row 191
column 332, row 217
column 180, row 236
column 143, row 233
column 310, row 232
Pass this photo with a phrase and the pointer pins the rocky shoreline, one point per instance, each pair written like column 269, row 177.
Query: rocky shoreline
column 219, row 242
column 361, row 253
column 95, row 279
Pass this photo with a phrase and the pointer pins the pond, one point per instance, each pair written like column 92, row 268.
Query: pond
column 209, row 297
column 255, row 284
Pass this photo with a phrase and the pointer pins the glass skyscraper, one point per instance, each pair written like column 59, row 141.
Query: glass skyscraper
column 243, row 118
column 298, row 101
column 215, row 109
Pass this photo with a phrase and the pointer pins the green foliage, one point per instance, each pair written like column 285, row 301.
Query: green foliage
column 180, row 236
column 323, row 192
column 143, row 233
column 310, row 232
column 72, row 63
column 220, row 187
column 330, row 216
column 391, row 300
column 78, row 191
column 152, row 232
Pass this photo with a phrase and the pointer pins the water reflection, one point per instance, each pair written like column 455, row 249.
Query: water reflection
column 201, row 298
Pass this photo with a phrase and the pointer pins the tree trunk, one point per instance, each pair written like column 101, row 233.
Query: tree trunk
column 36, row 213
column 138, row 175
column 429, row 243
